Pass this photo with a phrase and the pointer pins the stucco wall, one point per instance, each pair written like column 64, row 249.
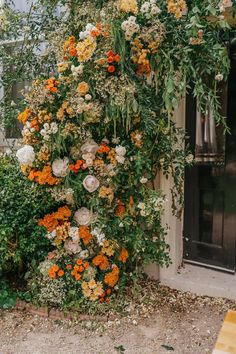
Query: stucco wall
column 175, row 231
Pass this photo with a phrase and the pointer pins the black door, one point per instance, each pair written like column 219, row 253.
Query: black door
column 210, row 186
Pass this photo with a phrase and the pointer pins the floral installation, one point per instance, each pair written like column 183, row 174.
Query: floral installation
column 96, row 134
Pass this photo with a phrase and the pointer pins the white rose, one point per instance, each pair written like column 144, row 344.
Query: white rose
column 120, row 159
column 91, row 183
column 89, row 147
column 60, row 167
column 83, row 216
column 120, row 150
column 72, row 247
column 26, row 155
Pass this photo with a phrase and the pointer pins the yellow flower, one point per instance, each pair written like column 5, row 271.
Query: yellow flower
column 128, row 6
column 85, row 49
column 92, row 284
column 83, row 88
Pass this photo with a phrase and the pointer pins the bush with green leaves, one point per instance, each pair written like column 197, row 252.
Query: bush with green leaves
column 21, row 204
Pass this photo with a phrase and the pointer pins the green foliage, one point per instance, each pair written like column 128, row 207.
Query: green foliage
column 21, row 204
column 7, row 296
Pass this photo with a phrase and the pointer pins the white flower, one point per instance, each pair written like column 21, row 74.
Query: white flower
column 91, row 183
column 143, row 213
column 120, row 159
column 155, row 10
column 43, row 132
column 99, row 235
column 88, row 97
column 60, row 167
column 46, row 137
column 54, row 127
column 74, row 234
column 72, row 247
column 89, row 146
column 83, row 216
column 46, row 126
column 143, row 180
column 132, row 19
column 120, row 150
column 77, row 70
column 141, row 206
column 26, row 155
column 84, row 254
column 219, row 77
column 145, row 7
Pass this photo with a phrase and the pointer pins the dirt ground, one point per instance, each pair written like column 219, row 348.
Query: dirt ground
column 178, row 322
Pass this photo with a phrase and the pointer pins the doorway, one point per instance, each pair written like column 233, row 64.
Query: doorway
column 210, row 186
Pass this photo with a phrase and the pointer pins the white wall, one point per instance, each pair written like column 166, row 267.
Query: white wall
column 175, row 232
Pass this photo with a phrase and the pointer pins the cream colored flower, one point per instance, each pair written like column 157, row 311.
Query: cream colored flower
column 89, row 147
column 83, row 217
column 26, row 155
column 60, row 167
column 91, row 183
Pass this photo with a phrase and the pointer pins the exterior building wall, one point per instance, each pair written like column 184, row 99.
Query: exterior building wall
column 175, row 231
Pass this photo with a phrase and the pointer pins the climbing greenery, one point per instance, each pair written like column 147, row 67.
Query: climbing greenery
column 99, row 127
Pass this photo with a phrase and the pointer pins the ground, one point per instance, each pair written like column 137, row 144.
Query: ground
column 160, row 321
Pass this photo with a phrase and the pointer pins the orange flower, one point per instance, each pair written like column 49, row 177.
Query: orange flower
column 83, row 88
column 124, row 255
column 86, row 265
column 85, row 234
column 81, row 269
column 104, row 149
column 51, row 85
column 101, row 261
column 120, row 210
column 117, row 58
column 69, row 267
column 95, row 33
column 43, row 177
column 51, row 221
column 110, row 60
column 112, row 278
column 79, row 262
column 77, row 277
column 108, row 291
column 111, row 69
column 72, row 51
column 60, row 273
column 63, row 213
column 110, row 53
column 24, row 116
column 34, row 124
column 53, row 270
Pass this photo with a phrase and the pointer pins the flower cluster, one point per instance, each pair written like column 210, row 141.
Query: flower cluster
column 94, row 137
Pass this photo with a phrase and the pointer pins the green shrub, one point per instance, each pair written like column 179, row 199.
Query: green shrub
column 22, row 241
